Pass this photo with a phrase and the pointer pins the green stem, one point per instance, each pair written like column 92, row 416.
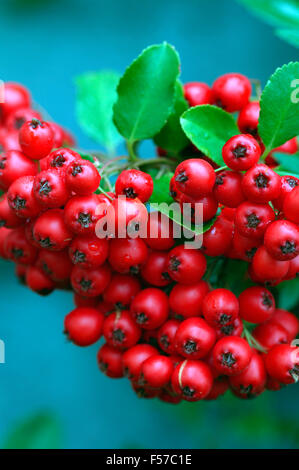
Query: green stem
column 154, row 161
column 221, row 168
column 101, row 190
column 131, row 146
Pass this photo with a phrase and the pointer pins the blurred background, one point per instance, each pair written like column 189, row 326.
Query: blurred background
column 52, row 394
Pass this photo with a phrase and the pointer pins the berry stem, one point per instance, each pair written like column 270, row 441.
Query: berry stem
column 221, row 169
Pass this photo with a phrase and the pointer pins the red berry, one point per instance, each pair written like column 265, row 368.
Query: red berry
column 166, row 335
column 245, row 248
column 13, row 165
column 154, row 271
column 21, row 198
column 252, row 219
column 220, row 386
column 192, row 380
column 60, row 159
column 228, row 188
column 249, row 118
column 127, row 217
column 121, row 290
column 83, row 326
column 194, row 338
column 127, row 255
column 218, row 240
column 82, row 213
column 18, row 118
column 195, row 177
column 159, row 232
column 282, row 363
column 220, row 307
column 288, row 183
column 291, row 205
column 232, row 91
column 261, row 184
column 50, row 190
column 251, row 382
column 282, row 240
column 156, row 371
column 232, row 329
column 82, row 177
column 88, row 251
column 290, row 146
column 197, row 93
column 198, row 210
column 269, row 334
column 51, row 232
column 231, row 355
column 134, row 184
column 288, row 320
column 18, row 249
column 134, row 357
column 267, row 267
column 120, row 330
column 110, row 361
column 38, row 281
column 4, row 232
column 150, row 308
column 186, row 266
column 36, row 139
column 90, row 282
column 15, row 97
column 257, row 304
column 186, row 300
column 241, row 152
column 81, row 301
column 8, row 217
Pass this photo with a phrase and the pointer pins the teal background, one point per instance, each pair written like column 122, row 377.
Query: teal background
column 47, row 384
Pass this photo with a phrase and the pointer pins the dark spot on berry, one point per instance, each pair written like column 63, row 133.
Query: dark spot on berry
column 85, row 284
column 245, row 390
column 288, row 247
column 253, row 221
column 166, row 276
column 250, row 253
column 78, row 257
column 120, row 306
column 141, row 318
column 45, row 242
column 130, row 193
column 44, row 188
column 261, row 181
column 174, row 263
column 240, row 151
column 17, row 253
column 164, row 340
column 46, row 269
column 58, row 161
column 19, row 203
column 188, row 392
column 219, row 103
column 134, row 270
column 45, row 292
column 292, row 182
column 127, row 373
column 2, row 163
column 190, row 347
column 267, row 300
column 224, row 319
column 227, row 330
column 228, row 359
column 103, row 366
column 2, row 223
column 173, row 194
column 77, row 169
column 84, row 220
column 19, row 122
column 181, row 177
column 252, row 131
column 219, row 180
column 35, row 123
column 118, row 335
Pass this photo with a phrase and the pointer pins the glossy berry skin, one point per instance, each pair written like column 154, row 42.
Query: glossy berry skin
column 134, row 357
column 14, row 165
column 195, row 177
column 267, row 267
column 126, row 217
column 60, row 159
column 90, row 282
column 166, row 335
column 127, row 255
column 232, row 329
column 231, row 355
column 194, row 338
column 220, row 307
column 232, row 91
column 150, row 308
column 197, row 93
column 56, row 265
column 110, row 361
column 81, row 214
column 186, row 266
column 200, row 209
column 159, row 232
column 83, row 326
column 50, row 190
column 257, row 304
column 154, row 271
column 36, row 139
column 249, row 118
column 228, row 188
column 293, row 269
column 217, row 241
column 251, row 382
column 51, row 232
column 82, row 177
column 261, row 184
column 15, row 96
column 186, row 300
column 88, row 251
column 156, row 371
column 21, row 198
column 8, row 217
column 134, row 184
column 38, row 281
column 290, row 146
column 282, row 240
column 120, row 330
column 288, row 321
column 282, row 363
column 244, row 247
column 121, row 290
column 18, row 249
column 291, row 205
column 192, row 380
column 219, row 388
column 241, row 152
column 18, row 118
column 252, row 219
column 269, row 334
column 288, row 183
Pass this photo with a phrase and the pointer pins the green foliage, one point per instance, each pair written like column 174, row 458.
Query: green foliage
column 171, row 137
column 39, row 431
column 161, row 189
column 146, row 93
column 282, row 14
column 96, row 94
column 279, row 114
column 209, row 128
column 289, row 294
column 288, row 163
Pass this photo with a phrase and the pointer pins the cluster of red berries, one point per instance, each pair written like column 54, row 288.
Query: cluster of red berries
column 164, row 328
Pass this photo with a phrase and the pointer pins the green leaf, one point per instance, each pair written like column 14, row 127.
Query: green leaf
column 289, row 35
column 279, row 115
column 276, row 12
column 288, row 162
column 289, row 294
column 40, row 431
column 146, row 93
column 96, row 95
column 209, row 128
column 161, row 189
column 171, row 137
